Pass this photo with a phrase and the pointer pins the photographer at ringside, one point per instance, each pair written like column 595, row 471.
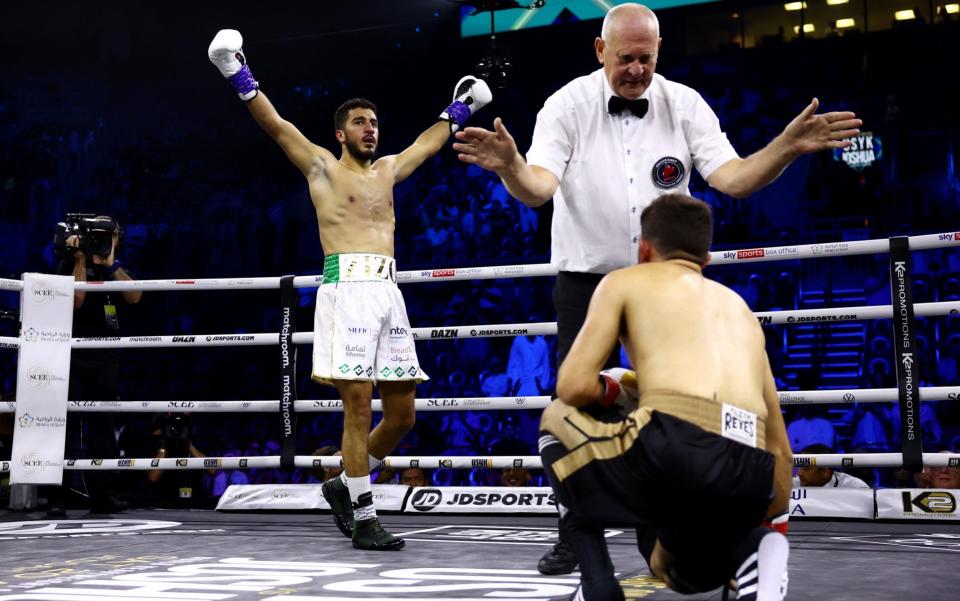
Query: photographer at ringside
column 87, row 246
column 178, row 488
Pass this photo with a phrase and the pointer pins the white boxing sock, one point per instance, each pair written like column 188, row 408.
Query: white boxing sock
column 360, row 486
column 372, row 461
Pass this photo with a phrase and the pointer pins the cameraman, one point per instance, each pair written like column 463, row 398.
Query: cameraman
column 177, row 488
column 87, row 246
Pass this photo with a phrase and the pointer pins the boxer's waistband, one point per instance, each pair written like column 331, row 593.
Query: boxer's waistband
column 712, row 415
column 359, row 267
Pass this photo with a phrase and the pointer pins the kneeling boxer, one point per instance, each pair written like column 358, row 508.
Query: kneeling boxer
column 361, row 332
column 700, row 461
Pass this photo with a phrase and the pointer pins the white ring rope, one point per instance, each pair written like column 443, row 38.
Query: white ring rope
column 872, row 460
column 461, row 462
column 724, row 257
column 841, row 314
column 301, row 406
column 787, row 397
column 547, row 328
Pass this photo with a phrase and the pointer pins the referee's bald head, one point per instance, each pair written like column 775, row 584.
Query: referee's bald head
column 631, row 16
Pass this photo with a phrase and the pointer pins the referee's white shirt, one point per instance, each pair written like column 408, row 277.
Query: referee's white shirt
column 612, row 166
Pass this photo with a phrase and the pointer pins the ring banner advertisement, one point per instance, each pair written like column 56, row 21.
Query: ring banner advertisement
column 43, row 374
column 818, row 503
column 481, row 499
column 821, row 502
column 245, row 497
column 918, row 504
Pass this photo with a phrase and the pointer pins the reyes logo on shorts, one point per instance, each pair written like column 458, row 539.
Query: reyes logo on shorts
column 739, row 425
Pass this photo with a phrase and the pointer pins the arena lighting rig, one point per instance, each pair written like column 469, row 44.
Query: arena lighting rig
column 495, row 67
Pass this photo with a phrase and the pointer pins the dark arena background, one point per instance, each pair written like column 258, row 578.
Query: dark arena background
column 112, row 108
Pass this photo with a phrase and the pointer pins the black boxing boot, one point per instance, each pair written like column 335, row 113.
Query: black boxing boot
column 561, row 559
column 337, row 496
column 368, row 534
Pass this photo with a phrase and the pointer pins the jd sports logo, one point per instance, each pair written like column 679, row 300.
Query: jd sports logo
column 935, row 501
column 426, row 499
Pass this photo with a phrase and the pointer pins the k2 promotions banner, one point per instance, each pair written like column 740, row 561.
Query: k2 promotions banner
column 918, row 504
column 43, row 374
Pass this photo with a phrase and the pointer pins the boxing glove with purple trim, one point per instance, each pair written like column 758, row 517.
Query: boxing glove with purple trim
column 469, row 96
column 226, row 54
column 619, row 387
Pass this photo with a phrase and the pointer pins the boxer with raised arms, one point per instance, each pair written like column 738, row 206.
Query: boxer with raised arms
column 362, row 335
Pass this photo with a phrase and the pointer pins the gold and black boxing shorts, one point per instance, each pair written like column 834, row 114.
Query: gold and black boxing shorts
column 696, row 491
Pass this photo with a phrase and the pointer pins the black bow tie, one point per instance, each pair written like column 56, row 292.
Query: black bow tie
column 638, row 107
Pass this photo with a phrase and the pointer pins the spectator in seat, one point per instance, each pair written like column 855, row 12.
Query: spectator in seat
column 825, row 477
column 810, row 428
column 413, row 476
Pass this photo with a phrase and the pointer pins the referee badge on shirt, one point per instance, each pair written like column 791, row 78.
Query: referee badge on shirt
column 668, row 172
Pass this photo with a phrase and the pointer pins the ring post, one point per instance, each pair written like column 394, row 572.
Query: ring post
column 288, row 372
column 907, row 360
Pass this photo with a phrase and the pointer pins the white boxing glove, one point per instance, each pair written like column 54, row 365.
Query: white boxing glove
column 469, row 96
column 620, row 389
column 226, row 54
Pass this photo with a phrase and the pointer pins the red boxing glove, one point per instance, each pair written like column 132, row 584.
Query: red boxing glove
column 779, row 522
column 610, row 390
column 619, row 387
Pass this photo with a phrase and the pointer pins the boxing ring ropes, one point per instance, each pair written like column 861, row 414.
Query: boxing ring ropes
column 898, row 248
